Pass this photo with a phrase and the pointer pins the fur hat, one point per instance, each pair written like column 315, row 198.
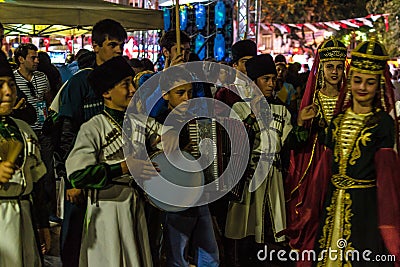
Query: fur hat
column 108, row 74
column 243, row 48
column 280, row 60
column 260, row 65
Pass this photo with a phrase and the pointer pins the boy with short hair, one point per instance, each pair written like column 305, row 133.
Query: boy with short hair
column 191, row 228
column 116, row 232
column 79, row 103
column 261, row 214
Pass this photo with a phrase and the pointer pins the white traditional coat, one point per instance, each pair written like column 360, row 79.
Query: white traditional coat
column 248, row 217
column 115, row 230
column 18, row 246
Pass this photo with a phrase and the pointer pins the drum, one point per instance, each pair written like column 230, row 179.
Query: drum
column 178, row 185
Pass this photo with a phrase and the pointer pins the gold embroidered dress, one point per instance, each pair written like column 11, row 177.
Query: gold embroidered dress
column 325, row 109
column 309, row 151
column 326, row 106
column 350, row 215
column 300, row 184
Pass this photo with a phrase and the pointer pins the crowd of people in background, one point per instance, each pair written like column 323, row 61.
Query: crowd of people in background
column 332, row 171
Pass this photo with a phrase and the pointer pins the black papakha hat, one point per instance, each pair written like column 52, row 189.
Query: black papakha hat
column 260, row 65
column 332, row 49
column 108, row 74
column 280, row 60
column 243, row 48
column 5, row 67
column 369, row 57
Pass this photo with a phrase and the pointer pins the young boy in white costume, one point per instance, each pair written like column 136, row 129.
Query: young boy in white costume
column 18, row 245
column 115, row 231
column 261, row 214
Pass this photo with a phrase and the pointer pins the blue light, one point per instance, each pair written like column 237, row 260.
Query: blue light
column 183, row 18
column 198, row 44
column 220, row 14
column 219, row 47
column 200, row 16
column 167, row 19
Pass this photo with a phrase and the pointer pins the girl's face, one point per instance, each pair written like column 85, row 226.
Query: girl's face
column 333, row 71
column 364, row 87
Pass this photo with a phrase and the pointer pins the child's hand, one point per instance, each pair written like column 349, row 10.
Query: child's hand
column 143, row 169
column 75, row 195
column 7, row 169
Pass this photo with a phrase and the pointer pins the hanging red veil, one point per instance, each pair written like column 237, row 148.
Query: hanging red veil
column 303, row 231
column 304, row 160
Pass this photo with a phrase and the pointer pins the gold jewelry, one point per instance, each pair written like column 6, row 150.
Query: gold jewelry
column 382, row 86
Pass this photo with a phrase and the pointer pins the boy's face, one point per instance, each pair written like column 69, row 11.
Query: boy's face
column 266, row 83
column 240, row 65
column 281, row 69
column 120, row 95
column 8, row 95
column 185, row 50
column 110, row 48
column 180, row 94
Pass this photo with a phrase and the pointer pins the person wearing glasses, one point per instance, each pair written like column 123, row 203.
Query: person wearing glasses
column 35, row 85
column 20, row 171
column 22, row 110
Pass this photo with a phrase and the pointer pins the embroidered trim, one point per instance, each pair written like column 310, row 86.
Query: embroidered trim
column 343, row 181
column 335, row 134
column 349, row 132
column 306, row 171
column 364, row 138
column 326, row 108
column 333, row 53
column 338, row 228
column 114, row 142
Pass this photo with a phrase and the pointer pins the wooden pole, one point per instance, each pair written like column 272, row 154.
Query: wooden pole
column 177, row 27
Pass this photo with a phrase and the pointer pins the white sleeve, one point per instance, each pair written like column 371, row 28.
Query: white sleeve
column 240, row 111
column 86, row 149
column 287, row 127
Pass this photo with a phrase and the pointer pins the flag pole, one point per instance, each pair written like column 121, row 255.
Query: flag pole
column 177, row 27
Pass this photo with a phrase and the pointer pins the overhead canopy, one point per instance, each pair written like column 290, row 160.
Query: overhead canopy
column 76, row 14
column 45, row 30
